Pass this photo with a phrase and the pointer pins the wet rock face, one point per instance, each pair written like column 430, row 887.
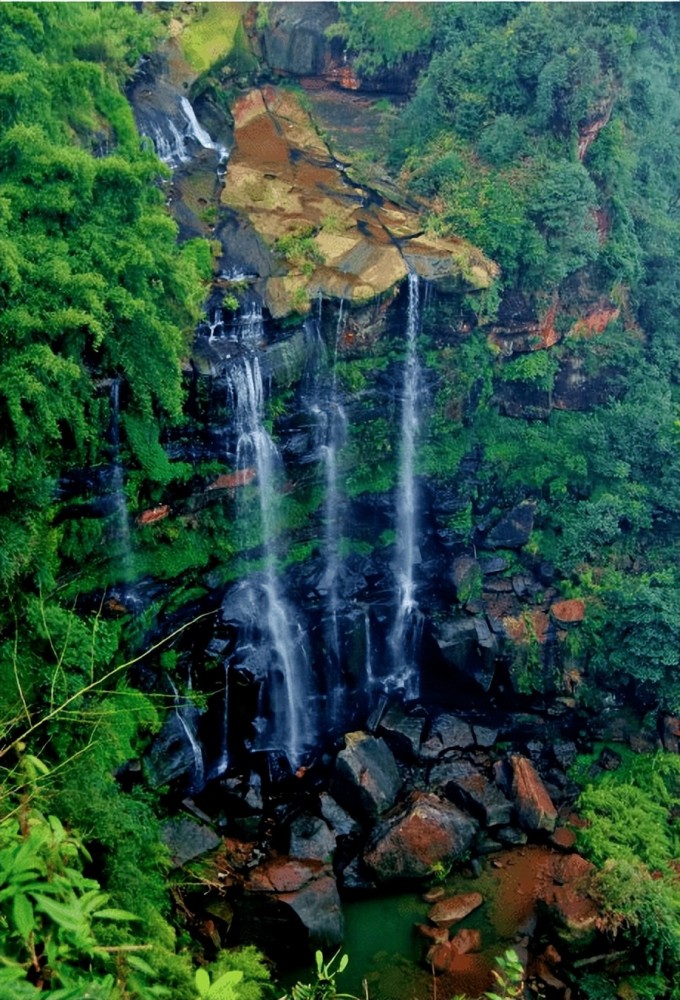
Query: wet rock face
column 427, row 832
column 294, row 40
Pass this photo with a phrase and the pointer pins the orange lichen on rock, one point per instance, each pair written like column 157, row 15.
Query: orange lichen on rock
column 568, row 612
column 595, row 322
column 547, row 332
column 154, row 514
column 231, row 480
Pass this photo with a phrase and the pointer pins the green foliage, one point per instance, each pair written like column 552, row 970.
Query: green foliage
column 324, row 985
column 409, row 31
column 632, row 836
column 538, row 368
column 299, row 249
column 51, row 909
column 509, row 977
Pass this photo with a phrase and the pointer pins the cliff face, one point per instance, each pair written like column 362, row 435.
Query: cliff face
column 329, row 237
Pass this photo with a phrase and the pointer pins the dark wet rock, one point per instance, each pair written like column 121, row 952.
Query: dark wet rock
column 485, row 736
column 186, row 839
column 496, row 564
column 172, row 759
column 565, row 753
column 310, row 837
column 308, row 889
column 366, row 777
column 454, row 909
column 521, row 783
column 470, row 647
column 426, row 832
column 513, row 530
column 317, row 905
column 402, row 732
column 448, row 732
column 609, row 760
column 294, row 41
column 355, row 876
column 470, row 790
column 511, row 836
column 339, row 820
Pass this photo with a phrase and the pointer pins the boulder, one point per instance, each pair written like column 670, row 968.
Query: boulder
column 366, row 778
column 568, row 613
column 514, row 529
column 317, row 904
column 572, row 911
column 402, row 732
column 470, row 647
column 454, row 909
column 310, row 837
column 426, row 832
column 447, row 732
column 186, row 839
column 519, row 779
column 340, row 821
column 470, row 790
column 466, row 940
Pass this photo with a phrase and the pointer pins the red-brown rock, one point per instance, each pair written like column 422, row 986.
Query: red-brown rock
column 569, row 612
column 154, row 514
column 409, row 844
column 450, row 911
column 466, row 940
column 563, row 839
column 534, row 807
column 437, row 935
column 231, row 480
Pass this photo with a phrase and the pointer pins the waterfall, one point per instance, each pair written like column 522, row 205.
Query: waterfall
column 170, row 137
column 168, row 142
column 121, row 516
column 403, row 639
column 336, row 435
column 284, row 719
column 199, row 134
column 187, row 728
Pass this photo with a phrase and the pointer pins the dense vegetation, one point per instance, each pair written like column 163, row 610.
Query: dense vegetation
column 546, row 134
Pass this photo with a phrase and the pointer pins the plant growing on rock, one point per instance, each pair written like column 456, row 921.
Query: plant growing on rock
column 299, row 249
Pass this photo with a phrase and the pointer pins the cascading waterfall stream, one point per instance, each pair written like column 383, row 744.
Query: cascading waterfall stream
column 171, row 137
column 122, row 517
column 284, row 720
column 404, row 633
column 336, row 435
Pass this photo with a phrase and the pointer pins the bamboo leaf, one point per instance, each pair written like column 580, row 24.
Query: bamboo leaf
column 24, row 918
column 113, row 913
